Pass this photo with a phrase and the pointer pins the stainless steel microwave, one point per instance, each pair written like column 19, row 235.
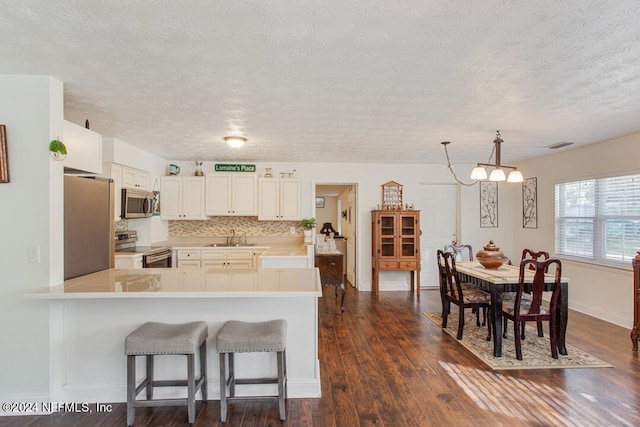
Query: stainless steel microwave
column 136, row 203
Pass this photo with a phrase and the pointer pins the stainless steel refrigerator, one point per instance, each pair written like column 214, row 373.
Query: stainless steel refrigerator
column 88, row 225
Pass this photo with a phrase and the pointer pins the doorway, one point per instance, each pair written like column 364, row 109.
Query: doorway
column 336, row 205
column 439, row 222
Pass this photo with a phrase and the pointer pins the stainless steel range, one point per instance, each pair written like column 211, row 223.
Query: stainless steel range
column 152, row 256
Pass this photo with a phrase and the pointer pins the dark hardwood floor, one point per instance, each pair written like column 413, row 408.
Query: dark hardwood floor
column 383, row 363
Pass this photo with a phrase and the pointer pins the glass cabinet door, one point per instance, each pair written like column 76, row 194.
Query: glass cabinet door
column 408, row 236
column 387, row 236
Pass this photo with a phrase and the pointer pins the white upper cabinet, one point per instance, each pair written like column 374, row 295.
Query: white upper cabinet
column 279, row 199
column 84, row 148
column 182, row 197
column 135, row 178
column 231, row 195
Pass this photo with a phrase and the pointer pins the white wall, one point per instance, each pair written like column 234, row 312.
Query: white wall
column 603, row 292
column 31, row 216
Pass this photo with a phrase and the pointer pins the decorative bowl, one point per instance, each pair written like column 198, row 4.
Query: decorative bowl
column 491, row 257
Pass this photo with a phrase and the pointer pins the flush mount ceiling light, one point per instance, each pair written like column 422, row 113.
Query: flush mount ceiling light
column 497, row 174
column 235, row 141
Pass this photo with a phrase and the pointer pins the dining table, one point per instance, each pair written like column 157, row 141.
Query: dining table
column 506, row 279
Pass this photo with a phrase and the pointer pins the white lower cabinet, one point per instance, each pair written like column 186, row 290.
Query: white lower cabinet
column 217, row 258
column 189, row 258
column 227, row 258
column 128, row 261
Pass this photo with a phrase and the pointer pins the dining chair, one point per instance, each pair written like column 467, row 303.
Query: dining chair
column 538, row 256
column 459, row 251
column 464, row 295
column 442, row 279
column 523, row 309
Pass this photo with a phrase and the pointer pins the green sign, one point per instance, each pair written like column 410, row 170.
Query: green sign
column 234, row 168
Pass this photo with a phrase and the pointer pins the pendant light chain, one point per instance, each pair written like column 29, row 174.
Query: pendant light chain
column 446, row 152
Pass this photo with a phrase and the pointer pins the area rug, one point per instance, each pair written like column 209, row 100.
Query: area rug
column 536, row 351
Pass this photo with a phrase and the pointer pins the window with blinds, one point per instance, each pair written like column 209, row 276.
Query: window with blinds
column 599, row 219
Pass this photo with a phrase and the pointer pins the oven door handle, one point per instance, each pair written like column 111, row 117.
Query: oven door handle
column 149, row 259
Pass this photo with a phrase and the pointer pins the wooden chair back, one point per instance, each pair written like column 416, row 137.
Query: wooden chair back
column 458, row 250
column 537, row 288
column 531, row 254
column 454, row 285
column 442, row 272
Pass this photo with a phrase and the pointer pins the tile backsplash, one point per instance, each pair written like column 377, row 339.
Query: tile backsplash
column 221, row 226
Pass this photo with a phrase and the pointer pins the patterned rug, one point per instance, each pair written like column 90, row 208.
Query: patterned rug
column 536, row 351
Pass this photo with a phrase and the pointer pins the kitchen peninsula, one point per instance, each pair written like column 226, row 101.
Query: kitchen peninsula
column 99, row 310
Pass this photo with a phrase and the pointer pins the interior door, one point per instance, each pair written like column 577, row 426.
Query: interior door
column 439, row 203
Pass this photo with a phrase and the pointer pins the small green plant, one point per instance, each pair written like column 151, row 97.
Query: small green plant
column 309, row 223
column 56, row 146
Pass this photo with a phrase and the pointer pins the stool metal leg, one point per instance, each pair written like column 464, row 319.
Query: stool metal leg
column 223, row 388
column 203, row 370
column 191, row 387
column 232, row 375
column 149, row 379
column 281, row 384
column 131, row 387
column 286, row 381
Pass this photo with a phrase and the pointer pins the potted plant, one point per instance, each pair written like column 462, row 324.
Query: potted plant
column 57, row 149
column 309, row 224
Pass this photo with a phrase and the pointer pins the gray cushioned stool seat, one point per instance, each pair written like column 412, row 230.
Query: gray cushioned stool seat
column 162, row 338
column 242, row 337
column 157, row 339
column 247, row 337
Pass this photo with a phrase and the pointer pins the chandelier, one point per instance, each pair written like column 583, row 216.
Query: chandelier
column 497, row 169
column 497, row 174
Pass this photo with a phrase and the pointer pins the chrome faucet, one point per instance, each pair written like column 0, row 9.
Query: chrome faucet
column 231, row 239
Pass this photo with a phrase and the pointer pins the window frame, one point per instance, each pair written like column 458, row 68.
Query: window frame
column 598, row 255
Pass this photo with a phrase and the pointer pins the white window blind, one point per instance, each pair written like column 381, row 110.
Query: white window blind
column 599, row 219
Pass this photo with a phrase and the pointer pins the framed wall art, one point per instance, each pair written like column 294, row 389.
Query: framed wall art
column 4, row 158
column 488, row 204
column 530, row 203
column 319, row 202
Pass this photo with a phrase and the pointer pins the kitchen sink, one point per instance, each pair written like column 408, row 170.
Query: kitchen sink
column 228, row 245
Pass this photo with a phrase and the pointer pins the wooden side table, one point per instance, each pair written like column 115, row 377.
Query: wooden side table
column 330, row 265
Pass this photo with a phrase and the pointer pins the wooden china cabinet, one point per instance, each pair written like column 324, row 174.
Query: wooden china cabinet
column 395, row 245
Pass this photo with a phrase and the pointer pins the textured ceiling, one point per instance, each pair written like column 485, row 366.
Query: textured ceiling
column 336, row 80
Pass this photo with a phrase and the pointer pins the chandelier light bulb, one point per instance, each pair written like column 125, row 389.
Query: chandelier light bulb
column 497, row 175
column 515, row 176
column 479, row 173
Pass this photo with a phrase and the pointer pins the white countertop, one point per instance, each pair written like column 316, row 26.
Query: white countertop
column 188, row 283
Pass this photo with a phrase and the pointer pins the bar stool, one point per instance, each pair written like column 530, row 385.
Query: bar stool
column 156, row 339
column 246, row 337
